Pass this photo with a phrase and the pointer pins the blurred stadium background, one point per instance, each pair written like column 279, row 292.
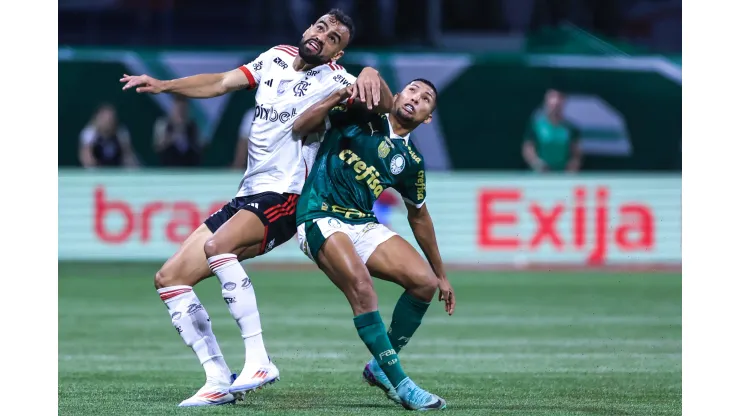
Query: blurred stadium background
column 569, row 282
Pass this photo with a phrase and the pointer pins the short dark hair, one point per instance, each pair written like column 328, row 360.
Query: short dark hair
column 344, row 19
column 429, row 84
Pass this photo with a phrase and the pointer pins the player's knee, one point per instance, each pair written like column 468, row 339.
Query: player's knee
column 162, row 279
column 213, row 247
column 423, row 285
column 362, row 296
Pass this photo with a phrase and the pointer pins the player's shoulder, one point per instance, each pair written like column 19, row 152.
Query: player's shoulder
column 334, row 73
column 284, row 50
column 277, row 58
column 414, row 155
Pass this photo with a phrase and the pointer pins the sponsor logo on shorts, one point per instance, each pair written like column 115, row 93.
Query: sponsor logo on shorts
column 229, row 286
column 229, row 300
column 334, row 223
column 176, row 316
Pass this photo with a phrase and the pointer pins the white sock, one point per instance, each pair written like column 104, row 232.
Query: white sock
column 239, row 295
column 191, row 321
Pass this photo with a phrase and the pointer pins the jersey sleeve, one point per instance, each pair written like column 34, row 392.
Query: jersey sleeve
column 342, row 115
column 413, row 186
column 255, row 69
column 340, row 78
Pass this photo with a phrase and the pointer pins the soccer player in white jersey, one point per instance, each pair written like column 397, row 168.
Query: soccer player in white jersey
column 262, row 215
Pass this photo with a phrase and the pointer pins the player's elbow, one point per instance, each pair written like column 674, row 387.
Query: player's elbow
column 219, row 89
column 301, row 127
column 222, row 85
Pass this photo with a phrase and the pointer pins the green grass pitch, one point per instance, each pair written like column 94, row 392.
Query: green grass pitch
column 524, row 343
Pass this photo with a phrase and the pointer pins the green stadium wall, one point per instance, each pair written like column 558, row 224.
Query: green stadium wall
column 628, row 108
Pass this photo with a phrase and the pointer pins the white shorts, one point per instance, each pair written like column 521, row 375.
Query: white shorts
column 365, row 237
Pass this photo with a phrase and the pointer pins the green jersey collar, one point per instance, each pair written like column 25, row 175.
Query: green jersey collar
column 394, row 135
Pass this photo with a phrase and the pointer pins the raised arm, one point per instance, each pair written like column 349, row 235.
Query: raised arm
column 312, row 120
column 196, row 86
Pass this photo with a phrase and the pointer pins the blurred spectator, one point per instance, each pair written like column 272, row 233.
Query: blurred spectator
column 240, row 153
column 550, row 142
column 104, row 143
column 176, row 137
column 384, row 205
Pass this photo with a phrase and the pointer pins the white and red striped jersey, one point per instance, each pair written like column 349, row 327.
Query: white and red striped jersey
column 275, row 161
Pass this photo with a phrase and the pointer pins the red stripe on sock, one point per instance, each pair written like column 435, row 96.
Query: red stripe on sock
column 171, row 294
column 221, row 262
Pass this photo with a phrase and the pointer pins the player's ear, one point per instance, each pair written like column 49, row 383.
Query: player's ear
column 428, row 119
column 338, row 55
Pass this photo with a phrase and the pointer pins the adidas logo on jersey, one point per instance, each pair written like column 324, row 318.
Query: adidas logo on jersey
column 269, row 83
column 254, row 205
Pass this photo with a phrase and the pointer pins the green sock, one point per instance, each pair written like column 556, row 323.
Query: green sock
column 372, row 332
column 406, row 319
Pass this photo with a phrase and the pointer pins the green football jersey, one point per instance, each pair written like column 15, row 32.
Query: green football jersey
column 359, row 157
column 552, row 141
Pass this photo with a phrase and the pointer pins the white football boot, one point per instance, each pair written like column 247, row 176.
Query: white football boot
column 374, row 376
column 255, row 377
column 211, row 394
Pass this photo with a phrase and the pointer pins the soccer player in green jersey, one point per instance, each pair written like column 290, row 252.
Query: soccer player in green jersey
column 550, row 141
column 362, row 154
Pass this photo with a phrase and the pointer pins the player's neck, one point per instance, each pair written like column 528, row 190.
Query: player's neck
column 300, row 65
column 399, row 128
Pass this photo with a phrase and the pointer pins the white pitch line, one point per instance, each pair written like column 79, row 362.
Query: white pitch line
column 500, row 320
column 407, row 356
column 423, row 342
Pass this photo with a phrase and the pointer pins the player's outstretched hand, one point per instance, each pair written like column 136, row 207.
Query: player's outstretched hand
column 143, row 83
column 367, row 88
column 447, row 295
